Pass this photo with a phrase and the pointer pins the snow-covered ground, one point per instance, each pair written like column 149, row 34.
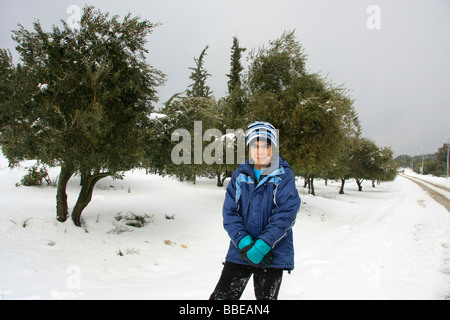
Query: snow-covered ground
column 391, row 242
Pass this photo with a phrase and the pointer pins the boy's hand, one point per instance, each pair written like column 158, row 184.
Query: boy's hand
column 258, row 254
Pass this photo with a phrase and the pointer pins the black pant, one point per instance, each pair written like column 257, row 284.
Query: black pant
column 235, row 277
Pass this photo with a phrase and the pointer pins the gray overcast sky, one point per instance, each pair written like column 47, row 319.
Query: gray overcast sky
column 399, row 75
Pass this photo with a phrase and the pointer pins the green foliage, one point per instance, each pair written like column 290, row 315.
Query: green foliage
column 236, row 66
column 79, row 99
column 403, row 161
column 319, row 127
column 435, row 168
column 199, row 75
column 182, row 113
column 6, row 89
column 81, row 115
column 277, row 69
column 313, row 116
column 364, row 160
column 234, row 107
column 435, row 164
column 83, row 99
column 34, row 176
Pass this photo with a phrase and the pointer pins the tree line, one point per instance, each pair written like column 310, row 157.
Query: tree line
column 434, row 164
column 84, row 100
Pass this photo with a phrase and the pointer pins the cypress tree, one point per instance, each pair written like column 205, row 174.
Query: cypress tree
column 199, row 75
column 236, row 66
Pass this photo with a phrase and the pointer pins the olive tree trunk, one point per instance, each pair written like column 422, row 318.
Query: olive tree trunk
column 88, row 182
column 62, row 209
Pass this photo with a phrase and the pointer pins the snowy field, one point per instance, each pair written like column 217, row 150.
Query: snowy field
column 391, row 242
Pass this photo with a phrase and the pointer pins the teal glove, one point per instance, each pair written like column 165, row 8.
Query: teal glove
column 258, row 254
column 245, row 242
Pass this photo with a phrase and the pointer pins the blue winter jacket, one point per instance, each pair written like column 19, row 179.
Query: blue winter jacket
column 266, row 211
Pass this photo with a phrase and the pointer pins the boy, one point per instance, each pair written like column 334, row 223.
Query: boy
column 259, row 211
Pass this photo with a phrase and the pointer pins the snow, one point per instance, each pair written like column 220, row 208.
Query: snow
column 441, row 181
column 43, row 87
column 157, row 117
column 391, row 242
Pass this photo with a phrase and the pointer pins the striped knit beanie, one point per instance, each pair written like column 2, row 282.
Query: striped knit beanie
column 261, row 130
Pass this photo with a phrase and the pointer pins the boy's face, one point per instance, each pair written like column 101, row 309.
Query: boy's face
column 261, row 154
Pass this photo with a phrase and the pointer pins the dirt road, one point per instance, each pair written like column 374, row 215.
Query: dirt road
column 437, row 192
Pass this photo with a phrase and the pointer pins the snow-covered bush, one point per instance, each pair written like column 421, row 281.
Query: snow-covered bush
column 34, row 176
